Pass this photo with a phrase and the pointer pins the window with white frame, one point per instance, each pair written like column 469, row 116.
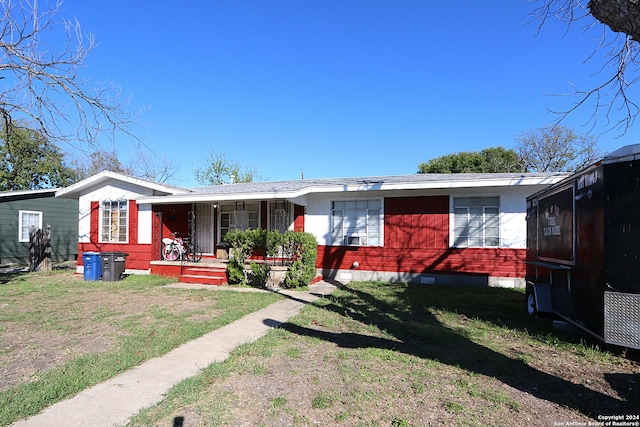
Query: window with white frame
column 238, row 216
column 476, row 221
column 114, row 221
column 26, row 221
column 279, row 215
column 356, row 222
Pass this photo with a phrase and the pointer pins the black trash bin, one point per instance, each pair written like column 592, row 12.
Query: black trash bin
column 113, row 265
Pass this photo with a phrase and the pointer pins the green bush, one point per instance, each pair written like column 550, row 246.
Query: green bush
column 264, row 242
column 273, row 242
column 260, row 273
column 303, row 249
column 241, row 245
column 235, row 272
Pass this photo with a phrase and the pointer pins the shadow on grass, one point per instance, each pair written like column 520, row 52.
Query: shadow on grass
column 408, row 318
column 9, row 274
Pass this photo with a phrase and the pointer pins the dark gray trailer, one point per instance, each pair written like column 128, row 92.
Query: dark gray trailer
column 583, row 249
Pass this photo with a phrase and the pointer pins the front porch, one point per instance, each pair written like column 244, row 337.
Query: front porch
column 206, row 223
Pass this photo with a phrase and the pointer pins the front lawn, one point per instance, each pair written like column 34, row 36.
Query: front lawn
column 379, row 354
column 61, row 334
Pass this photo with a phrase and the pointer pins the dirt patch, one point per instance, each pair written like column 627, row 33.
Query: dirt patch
column 44, row 330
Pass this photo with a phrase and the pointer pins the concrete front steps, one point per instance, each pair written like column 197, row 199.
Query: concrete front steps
column 212, row 272
column 204, row 275
column 207, row 272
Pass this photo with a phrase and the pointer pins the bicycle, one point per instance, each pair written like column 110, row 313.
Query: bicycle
column 179, row 249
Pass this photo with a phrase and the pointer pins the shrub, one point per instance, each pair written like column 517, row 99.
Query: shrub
column 235, row 272
column 241, row 245
column 303, row 249
column 273, row 242
column 260, row 273
column 265, row 242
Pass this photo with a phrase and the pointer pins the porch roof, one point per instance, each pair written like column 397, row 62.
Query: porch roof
column 298, row 188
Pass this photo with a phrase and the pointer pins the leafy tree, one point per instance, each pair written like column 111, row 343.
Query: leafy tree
column 489, row 160
column 621, row 53
column 220, row 170
column 556, row 149
column 30, row 161
column 42, row 82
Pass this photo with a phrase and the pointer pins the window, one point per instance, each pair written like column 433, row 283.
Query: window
column 241, row 216
column 114, row 221
column 279, row 217
column 26, row 220
column 356, row 223
column 476, row 221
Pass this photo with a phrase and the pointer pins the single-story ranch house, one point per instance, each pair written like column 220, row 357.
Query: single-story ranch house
column 425, row 228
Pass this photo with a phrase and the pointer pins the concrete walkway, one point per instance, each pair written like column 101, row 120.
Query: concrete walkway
column 114, row 401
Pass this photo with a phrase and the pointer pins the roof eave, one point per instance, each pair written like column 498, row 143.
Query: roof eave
column 27, row 192
column 75, row 190
column 488, row 181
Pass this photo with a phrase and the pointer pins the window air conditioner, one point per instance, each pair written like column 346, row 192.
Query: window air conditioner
column 352, row 240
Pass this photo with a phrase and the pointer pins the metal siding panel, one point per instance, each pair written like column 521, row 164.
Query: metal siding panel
column 587, row 275
column 622, row 319
column 622, row 226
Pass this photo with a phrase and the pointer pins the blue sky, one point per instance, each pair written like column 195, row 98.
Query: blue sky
column 337, row 88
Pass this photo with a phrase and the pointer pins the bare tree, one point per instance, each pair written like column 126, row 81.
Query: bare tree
column 42, row 55
column 556, row 149
column 620, row 51
column 145, row 165
column 100, row 161
column 155, row 168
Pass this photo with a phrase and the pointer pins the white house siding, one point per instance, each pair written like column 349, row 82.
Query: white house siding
column 145, row 224
column 512, row 210
column 318, row 217
column 124, row 191
column 513, row 225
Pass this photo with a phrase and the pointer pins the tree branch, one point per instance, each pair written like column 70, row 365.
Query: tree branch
column 610, row 97
column 44, row 88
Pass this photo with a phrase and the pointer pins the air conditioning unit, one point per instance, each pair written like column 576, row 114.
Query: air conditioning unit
column 353, row 240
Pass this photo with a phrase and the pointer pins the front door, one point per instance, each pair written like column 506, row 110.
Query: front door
column 204, row 228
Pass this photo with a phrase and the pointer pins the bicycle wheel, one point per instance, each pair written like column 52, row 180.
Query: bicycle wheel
column 170, row 252
column 194, row 254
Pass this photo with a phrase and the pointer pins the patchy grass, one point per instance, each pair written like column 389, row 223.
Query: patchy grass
column 407, row 355
column 61, row 334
